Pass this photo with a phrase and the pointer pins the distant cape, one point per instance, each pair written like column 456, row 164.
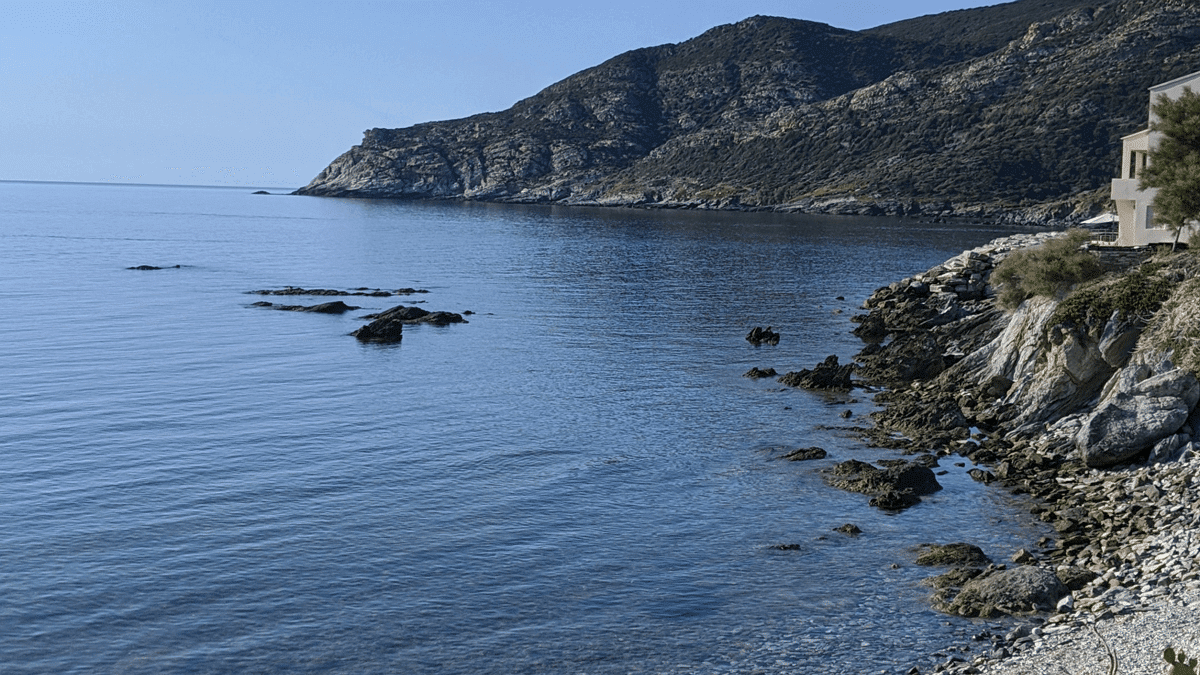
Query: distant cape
column 1014, row 110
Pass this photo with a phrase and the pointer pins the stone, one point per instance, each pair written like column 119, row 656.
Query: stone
column 855, row 476
column 828, row 375
column 1019, row 590
column 804, row 454
column 760, row 336
column 335, row 307
column 758, row 373
column 1127, row 425
column 947, row 555
column 894, row 500
column 1023, row 557
column 849, row 528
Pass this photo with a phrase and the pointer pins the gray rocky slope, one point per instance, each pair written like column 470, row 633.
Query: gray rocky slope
column 1088, row 404
column 989, row 110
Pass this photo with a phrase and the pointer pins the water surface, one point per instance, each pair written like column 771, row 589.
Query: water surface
column 578, row 480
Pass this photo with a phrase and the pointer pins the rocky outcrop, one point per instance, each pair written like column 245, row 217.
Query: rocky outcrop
column 804, row 454
column 762, row 336
column 1140, row 412
column 827, row 375
column 896, row 487
column 1012, row 111
column 335, row 307
column 366, row 292
column 388, row 326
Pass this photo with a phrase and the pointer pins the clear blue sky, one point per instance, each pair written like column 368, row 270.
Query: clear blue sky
column 267, row 93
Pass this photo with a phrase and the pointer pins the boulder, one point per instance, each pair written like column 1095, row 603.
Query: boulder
column 828, row 375
column 1021, row 590
column 1137, row 416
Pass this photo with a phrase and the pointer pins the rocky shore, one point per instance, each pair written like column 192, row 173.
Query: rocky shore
column 1085, row 404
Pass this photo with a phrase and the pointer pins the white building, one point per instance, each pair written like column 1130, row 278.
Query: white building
column 1135, row 207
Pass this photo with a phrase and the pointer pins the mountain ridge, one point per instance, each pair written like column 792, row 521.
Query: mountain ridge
column 1014, row 109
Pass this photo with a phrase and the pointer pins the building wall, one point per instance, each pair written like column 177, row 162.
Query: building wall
column 1135, row 209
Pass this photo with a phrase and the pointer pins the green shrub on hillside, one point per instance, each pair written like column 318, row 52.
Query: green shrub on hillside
column 1050, row 270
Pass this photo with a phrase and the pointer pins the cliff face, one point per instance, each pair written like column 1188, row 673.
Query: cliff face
column 972, row 111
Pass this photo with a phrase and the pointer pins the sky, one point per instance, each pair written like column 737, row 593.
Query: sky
column 266, row 94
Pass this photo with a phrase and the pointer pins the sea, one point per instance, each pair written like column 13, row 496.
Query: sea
column 577, row 480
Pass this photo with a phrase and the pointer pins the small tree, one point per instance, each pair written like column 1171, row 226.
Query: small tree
column 1175, row 164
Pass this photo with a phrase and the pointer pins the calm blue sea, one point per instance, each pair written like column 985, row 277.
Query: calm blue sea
column 579, row 480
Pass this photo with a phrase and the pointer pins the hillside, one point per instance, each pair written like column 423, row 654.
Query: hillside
column 1020, row 105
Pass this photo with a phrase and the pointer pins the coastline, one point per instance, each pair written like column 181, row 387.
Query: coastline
column 1128, row 535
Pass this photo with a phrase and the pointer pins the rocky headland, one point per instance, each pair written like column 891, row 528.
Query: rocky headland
column 1083, row 402
column 1012, row 112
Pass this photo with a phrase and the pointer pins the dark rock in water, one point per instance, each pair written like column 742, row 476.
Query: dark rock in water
column 804, row 454
column 759, row 335
column 899, row 486
column 956, row 555
column 388, row 325
column 756, row 373
column 148, row 268
column 381, row 330
column 260, row 192
column 849, row 528
column 335, row 307
column 894, row 500
column 982, row 476
column 855, row 476
column 786, row 547
column 827, row 375
column 1020, row 590
column 365, row 292
column 417, row 315
column 954, row 578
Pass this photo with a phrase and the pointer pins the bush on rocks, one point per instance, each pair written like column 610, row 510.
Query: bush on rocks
column 1049, row 270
